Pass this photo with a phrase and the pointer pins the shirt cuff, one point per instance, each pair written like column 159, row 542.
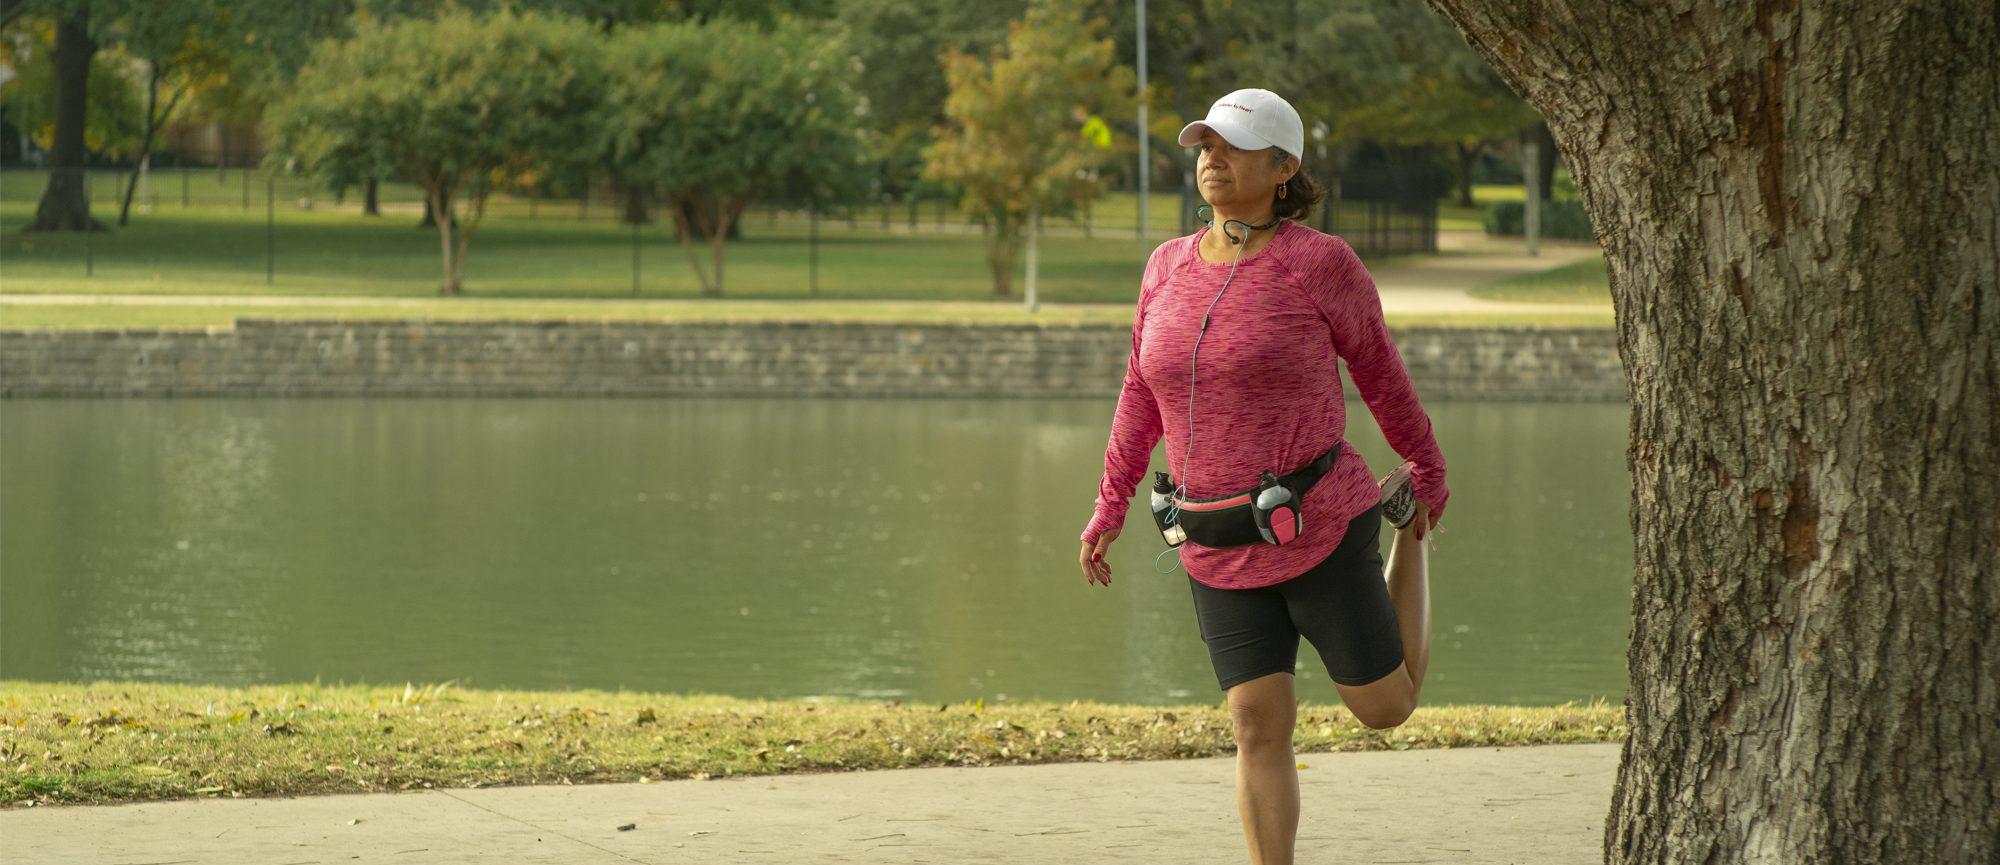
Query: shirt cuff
column 1105, row 518
column 1429, row 486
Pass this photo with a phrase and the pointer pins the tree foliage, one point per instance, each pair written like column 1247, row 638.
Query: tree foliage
column 1383, row 71
column 708, row 116
column 113, row 124
column 900, row 80
column 460, row 104
column 1020, row 139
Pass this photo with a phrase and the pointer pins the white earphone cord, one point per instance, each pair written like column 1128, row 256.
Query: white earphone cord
column 1187, row 457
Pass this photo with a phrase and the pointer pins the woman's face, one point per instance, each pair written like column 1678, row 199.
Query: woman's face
column 1237, row 181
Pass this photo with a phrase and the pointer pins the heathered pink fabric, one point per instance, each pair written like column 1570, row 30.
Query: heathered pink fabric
column 1267, row 395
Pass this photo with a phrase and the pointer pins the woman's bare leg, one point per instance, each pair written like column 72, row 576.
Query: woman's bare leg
column 1265, row 710
column 1388, row 701
column 1408, row 573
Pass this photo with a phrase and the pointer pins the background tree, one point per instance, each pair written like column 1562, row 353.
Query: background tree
column 177, row 47
column 1189, row 66
column 107, row 75
column 1386, row 72
column 901, row 81
column 1359, row 71
column 460, row 105
column 709, row 115
column 1799, row 205
column 1458, row 112
column 1017, row 141
column 112, row 120
column 63, row 205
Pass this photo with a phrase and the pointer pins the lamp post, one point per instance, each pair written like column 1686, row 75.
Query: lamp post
column 1145, row 138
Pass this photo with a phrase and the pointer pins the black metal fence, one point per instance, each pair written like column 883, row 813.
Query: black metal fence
column 1387, row 201
column 1380, row 210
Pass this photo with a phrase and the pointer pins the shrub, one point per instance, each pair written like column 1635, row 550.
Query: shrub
column 1560, row 219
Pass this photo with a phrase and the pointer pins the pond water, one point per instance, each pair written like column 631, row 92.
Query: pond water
column 922, row 550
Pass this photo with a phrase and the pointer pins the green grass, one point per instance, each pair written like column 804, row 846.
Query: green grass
column 555, row 265
column 110, row 742
column 216, row 245
column 1563, row 189
column 202, row 315
column 218, row 251
column 1578, row 282
column 1454, row 218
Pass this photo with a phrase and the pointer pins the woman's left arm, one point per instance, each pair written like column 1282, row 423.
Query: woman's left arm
column 1353, row 310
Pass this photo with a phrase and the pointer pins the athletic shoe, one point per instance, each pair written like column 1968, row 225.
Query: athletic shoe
column 1399, row 497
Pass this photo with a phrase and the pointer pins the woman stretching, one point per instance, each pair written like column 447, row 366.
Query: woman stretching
column 1233, row 361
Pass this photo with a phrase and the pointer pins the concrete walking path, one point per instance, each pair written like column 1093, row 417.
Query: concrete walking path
column 1439, row 284
column 1523, row 804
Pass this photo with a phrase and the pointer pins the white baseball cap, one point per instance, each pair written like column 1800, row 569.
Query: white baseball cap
column 1252, row 119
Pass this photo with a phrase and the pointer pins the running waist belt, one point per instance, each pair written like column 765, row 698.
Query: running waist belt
column 1267, row 513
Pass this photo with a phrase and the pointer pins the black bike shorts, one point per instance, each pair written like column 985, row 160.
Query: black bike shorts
column 1341, row 605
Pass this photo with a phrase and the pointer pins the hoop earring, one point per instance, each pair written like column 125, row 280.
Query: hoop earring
column 1281, row 190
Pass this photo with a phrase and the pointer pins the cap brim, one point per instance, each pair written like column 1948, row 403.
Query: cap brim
column 1238, row 136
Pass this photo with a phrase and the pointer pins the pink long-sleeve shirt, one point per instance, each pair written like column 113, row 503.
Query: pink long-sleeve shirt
column 1267, row 394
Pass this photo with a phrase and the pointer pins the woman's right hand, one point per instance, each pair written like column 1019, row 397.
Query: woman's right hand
column 1095, row 568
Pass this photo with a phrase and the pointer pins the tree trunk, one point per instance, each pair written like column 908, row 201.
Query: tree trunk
column 685, row 215
column 635, row 205
column 727, row 212
column 430, row 216
column 477, row 198
column 1003, row 239
column 1468, row 156
column 438, row 194
column 698, row 211
column 154, row 120
column 1799, row 206
column 132, row 187
column 371, row 203
column 63, row 206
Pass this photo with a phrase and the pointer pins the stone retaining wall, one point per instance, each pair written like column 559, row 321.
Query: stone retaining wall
column 292, row 357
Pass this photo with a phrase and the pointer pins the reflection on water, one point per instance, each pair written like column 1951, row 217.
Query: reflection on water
column 917, row 549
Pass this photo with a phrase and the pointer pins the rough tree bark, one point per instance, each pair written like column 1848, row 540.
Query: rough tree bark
column 1800, row 207
column 63, row 206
